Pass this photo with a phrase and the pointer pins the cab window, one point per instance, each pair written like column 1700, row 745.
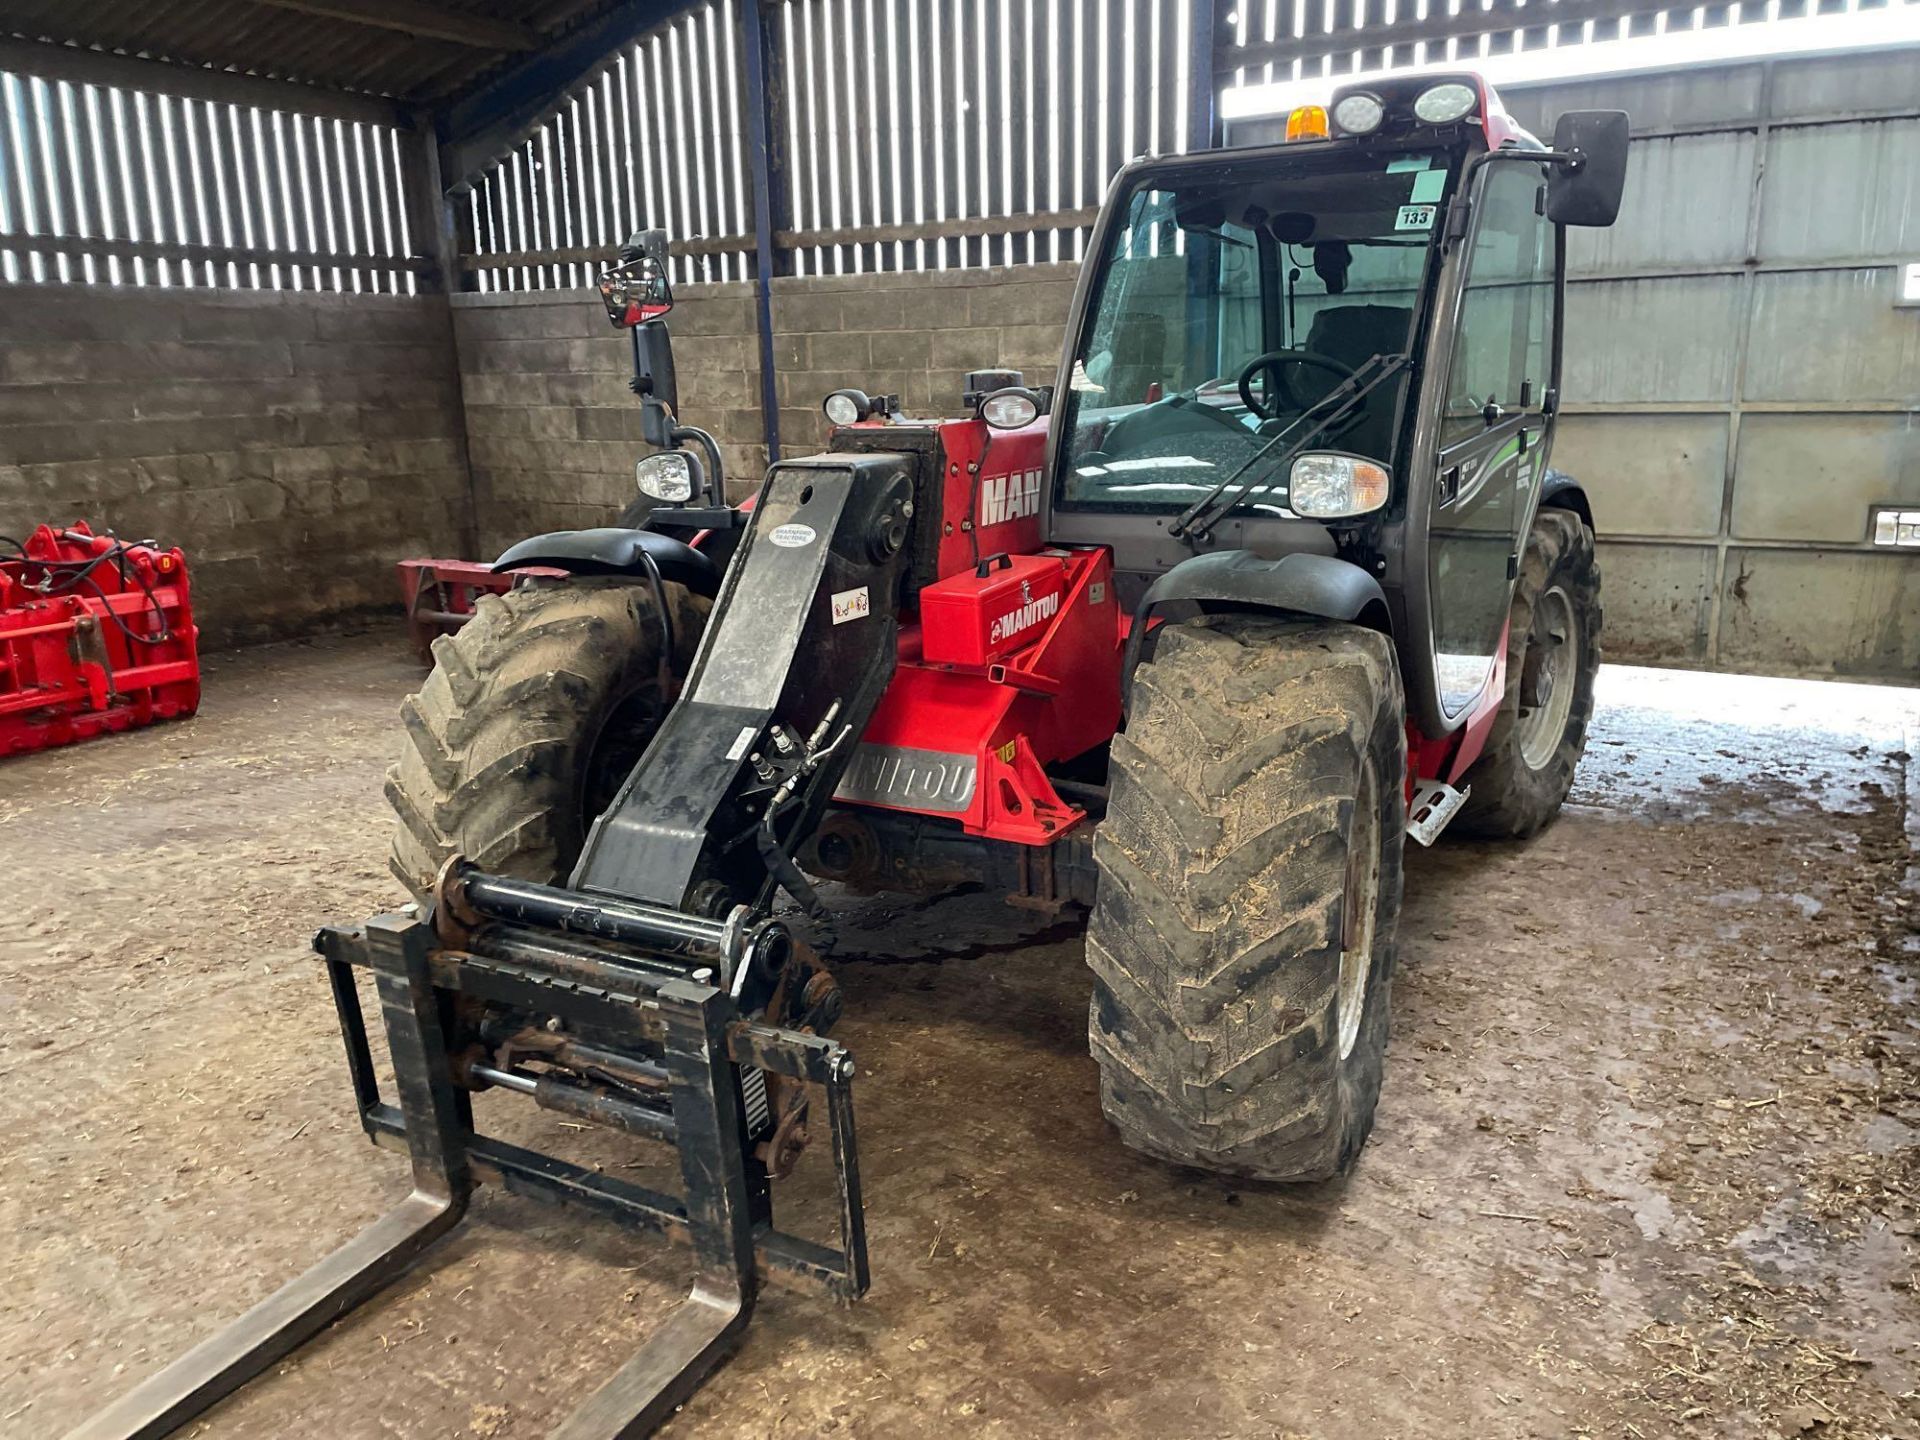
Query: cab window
column 1228, row 306
column 1503, row 350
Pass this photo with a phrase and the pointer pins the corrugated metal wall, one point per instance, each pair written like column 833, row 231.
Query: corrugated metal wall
column 917, row 134
column 1742, row 390
column 910, row 115
column 653, row 139
column 102, row 184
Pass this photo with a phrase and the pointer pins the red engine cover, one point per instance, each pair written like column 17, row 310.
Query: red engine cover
column 1009, row 655
column 1002, row 606
column 95, row 636
column 970, row 742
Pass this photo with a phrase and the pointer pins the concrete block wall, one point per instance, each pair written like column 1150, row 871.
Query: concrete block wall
column 294, row 445
column 552, row 428
column 915, row 334
column 553, row 431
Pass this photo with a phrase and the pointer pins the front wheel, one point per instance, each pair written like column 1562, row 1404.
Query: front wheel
column 536, row 710
column 1242, row 935
column 1553, row 653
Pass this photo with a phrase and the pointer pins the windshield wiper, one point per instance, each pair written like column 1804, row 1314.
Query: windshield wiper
column 1199, row 518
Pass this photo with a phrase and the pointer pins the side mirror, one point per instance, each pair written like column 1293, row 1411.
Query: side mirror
column 636, row 292
column 1585, row 186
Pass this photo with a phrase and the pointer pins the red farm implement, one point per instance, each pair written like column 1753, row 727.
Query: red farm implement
column 439, row 596
column 96, row 635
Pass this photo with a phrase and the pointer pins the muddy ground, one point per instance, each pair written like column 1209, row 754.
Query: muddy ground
column 1645, row 1163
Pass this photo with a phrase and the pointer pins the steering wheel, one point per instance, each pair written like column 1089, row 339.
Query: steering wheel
column 1275, row 363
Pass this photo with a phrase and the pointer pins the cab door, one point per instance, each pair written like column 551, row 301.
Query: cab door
column 1493, row 428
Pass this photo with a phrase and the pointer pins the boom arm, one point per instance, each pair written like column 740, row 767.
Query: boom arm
column 818, row 575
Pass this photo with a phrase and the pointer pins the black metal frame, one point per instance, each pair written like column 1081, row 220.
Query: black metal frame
column 725, row 1212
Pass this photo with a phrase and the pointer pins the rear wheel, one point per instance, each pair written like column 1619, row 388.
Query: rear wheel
column 1553, row 653
column 1242, row 937
column 536, row 710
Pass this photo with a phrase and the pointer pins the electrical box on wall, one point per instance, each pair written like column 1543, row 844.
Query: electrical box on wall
column 1890, row 525
column 1908, row 292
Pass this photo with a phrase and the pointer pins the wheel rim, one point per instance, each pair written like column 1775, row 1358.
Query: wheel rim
column 614, row 749
column 1548, row 675
column 1362, row 901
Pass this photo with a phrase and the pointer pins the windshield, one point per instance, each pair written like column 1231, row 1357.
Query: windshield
column 1230, row 308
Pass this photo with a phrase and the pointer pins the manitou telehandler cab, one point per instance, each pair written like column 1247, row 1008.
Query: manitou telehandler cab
column 1273, row 576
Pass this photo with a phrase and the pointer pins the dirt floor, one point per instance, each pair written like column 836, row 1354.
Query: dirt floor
column 1645, row 1166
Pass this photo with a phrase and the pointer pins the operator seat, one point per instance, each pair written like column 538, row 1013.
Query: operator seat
column 1353, row 334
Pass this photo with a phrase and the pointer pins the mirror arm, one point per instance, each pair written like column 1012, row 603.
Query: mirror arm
column 656, row 423
column 712, row 483
column 655, row 383
column 1573, row 161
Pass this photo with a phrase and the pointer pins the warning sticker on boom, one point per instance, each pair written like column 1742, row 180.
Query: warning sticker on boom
column 850, row 605
column 742, row 742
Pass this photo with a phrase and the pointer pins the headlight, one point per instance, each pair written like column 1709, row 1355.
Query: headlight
column 1010, row 409
column 1359, row 113
column 1448, row 101
column 665, row 476
column 847, row 407
column 1334, row 487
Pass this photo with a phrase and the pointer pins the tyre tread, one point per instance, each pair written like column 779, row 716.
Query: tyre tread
column 494, row 736
column 1215, row 937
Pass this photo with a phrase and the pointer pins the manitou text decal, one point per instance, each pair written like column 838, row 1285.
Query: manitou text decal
column 1023, row 617
column 908, row 778
column 1008, row 497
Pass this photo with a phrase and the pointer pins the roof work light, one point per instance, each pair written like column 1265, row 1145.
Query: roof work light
column 1446, row 102
column 1399, row 106
column 1359, row 112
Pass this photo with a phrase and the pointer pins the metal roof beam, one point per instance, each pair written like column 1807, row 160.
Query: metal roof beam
column 97, row 67
column 427, row 22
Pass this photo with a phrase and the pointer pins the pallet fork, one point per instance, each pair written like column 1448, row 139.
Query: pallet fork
column 646, row 995
column 659, row 1018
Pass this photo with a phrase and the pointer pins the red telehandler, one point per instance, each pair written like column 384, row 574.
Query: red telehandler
column 1275, row 575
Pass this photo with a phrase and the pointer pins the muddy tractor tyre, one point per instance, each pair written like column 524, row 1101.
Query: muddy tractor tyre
column 1242, row 936
column 1553, row 653
column 535, row 712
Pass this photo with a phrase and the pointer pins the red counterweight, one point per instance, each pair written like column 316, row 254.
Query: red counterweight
column 95, row 635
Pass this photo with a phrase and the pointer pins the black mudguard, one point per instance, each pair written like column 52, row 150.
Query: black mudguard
column 616, row 551
column 1322, row 586
column 1560, row 491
